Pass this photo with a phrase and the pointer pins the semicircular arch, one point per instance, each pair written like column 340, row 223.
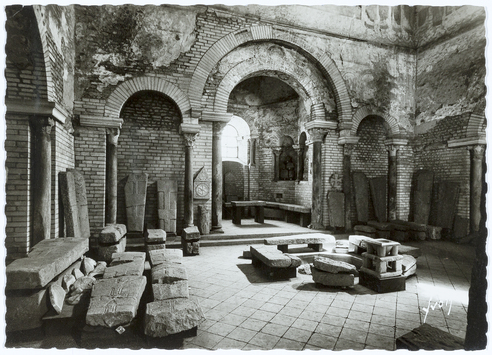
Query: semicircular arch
column 365, row 111
column 268, row 33
column 123, row 92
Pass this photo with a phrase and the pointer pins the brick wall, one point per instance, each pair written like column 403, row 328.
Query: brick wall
column 405, row 169
column 18, row 196
column 62, row 158
column 90, row 159
column 332, row 162
column 235, row 180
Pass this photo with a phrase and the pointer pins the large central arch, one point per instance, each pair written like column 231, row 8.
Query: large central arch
column 270, row 33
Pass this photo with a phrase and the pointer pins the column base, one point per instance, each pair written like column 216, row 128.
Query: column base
column 217, row 230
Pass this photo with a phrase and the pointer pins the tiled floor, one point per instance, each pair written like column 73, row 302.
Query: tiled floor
column 244, row 310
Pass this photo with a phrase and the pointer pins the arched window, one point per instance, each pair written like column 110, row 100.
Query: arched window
column 230, row 142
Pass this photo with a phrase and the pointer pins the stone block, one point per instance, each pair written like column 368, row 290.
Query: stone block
column 87, row 265
column 434, row 232
column 163, row 318
column 25, row 309
column 368, row 231
column 190, row 233
column 336, row 208
column 57, row 297
column 125, row 264
column 112, row 233
column 81, row 199
column 80, row 290
column 203, row 220
column 392, row 284
column 105, row 251
column 168, row 273
column 358, row 241
column 309, row 238
column 408, row 265
column 190, row 247
column 70, row 207
column 67, row 281
column 176, row 289
column 382, row 247
column 46, row 260
column 326, row 264
column 135, row 196
column 77, row 274
column 155, row 236
column 150, row 247
column 162, row 256
column 115, row 301
column 273, row 257
column 422, row 194
column 99, row 269
column 329, row 279
column 361, row 189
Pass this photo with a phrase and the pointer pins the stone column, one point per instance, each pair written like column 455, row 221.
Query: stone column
column 476, row 186
column 347, row 182
column 392, row 180
column 317, row 135
column 217, row 177
column 297, row 148
column 276, row 163
column 41, row 179
column 111, row 174
column 189, row 140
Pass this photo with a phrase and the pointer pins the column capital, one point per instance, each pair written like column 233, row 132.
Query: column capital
column 189, row 139
column 348, row 149
column 478, row 150
column 216, row 116
column 296, row 147
column 394, row 144
column 43, row 123
column 317, row 129
column 102, row 122
column 113, row 135
column 218, row 126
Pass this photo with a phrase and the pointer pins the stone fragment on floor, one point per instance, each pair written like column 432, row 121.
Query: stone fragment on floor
column 115, row 301
column 57, row 297
column 168, row 273
column 163, row 318
column 175, row 289
column 125, row 264
column 333, row 266
column 330, row 279
column 165, row 256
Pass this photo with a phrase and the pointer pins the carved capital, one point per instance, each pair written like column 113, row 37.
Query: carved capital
column 348, row 149
column 43, row 125
column 317, row 134
column 218, row 127
column 113, row 134
column 477, row 151
column 392, row 149
column 277, row 151
column 296, row 147
column 189, row 139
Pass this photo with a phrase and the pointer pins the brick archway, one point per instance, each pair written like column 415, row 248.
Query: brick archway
column 246, row 69
column 268, row 33
column 121, row 94
column 365, row 111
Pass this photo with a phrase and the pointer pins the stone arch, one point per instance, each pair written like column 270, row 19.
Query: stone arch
column 365, row 111
column 476, row 125
column 246, row 69
column 268, row 33
column 125, row 90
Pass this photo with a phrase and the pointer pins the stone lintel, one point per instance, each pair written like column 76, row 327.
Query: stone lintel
column 104, row 122
column 463, row 142
column 321, row 124
column 44, row 108
column 348, row 140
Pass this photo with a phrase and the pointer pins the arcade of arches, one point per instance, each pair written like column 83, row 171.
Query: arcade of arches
column 281, row 107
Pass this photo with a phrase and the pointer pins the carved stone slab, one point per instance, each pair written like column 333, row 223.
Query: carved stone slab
column 112, row 233
column 168, row 273
column 203, row 219
column 176, row 289
column 163, row 318
column 446, row 203
column 329, row 265
column 273, row 257
column 47, row 260
column 201, row 185
column 135, row 196
column 105, row 251
column 167, row 194
column 308, row 238
column 125, row 264
column 163, row 256
column 190, row 233
column 379, row 188
column 115, row 301
column 81, row 198
column 336, row 207
column 329, row 279
column 422, row 196
column 361, row 189
column 70, row 207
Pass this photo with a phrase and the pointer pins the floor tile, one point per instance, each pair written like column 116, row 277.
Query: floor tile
column 305, row 324
column 266, row 341
column 380, row 329
column 328, row 329
column 228, row 343
column 271, row 307
column 361, row 316
column 263, row 315
column 289, row 344
column 356, row 324
column 283, row 319
column 241, row 334
column 312, row 315
column 344, row 344
column 353, row 334
column 298, row 334
column 333, row 320
column 291, row 311
column 275, row 329
column 323, row 341
column 221, row 329
column 253, row 324
column 233, row 319
column 382, row 342
column 206, row 340
column 336, row 311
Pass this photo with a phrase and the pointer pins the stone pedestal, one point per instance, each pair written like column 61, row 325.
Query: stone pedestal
column 190, row 241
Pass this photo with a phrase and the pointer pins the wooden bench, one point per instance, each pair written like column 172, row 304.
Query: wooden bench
column 237, row 207
column 274, row 262
column 313, row 240
column 292, row 211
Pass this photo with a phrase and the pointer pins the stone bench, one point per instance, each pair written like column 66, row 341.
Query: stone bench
column 313, row 240
column 292, row 211
column 274, row 262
